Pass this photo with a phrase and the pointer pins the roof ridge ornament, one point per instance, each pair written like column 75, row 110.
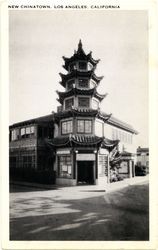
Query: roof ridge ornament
column 80, row 45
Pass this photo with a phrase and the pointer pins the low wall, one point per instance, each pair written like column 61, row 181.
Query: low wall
column 65, row 182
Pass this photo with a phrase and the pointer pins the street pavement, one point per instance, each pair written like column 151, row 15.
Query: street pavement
column 118, row 212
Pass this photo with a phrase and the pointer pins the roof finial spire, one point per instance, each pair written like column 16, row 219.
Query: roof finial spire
column 80, row 44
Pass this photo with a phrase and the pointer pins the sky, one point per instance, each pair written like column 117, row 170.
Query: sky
column 119, row 38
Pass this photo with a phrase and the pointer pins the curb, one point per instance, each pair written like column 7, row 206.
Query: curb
column 108, row 187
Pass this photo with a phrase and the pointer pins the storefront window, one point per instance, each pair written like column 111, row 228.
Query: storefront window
column 84, row 126
column 66, row 127
column 65, row 166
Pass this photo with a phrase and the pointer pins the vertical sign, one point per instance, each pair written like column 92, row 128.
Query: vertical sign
column 102, row 165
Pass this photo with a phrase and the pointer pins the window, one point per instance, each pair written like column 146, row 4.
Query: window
column 82, row 65
column 66, row 127
column 84, row 126
column 65, row 166
column 69, row 103
column 72, row 66
column 28, row 161
column 83, row 83
column 15, row 134
column 83, row 102
column 22, row 132
column 70, row 84
column 27, row 132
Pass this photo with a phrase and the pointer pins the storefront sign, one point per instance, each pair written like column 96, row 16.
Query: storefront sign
column 63, row 152
column 85, row 157
column 102, row 165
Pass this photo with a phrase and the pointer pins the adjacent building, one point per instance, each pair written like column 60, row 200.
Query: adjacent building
column 28, row 148
column 80, row 142
column 143, row 158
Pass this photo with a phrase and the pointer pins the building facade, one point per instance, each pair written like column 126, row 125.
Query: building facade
column 143, row 158
column 28, row 148
column 80, row 142
column 86, row 139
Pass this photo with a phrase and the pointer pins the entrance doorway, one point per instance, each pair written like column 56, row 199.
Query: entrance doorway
column 85, row 172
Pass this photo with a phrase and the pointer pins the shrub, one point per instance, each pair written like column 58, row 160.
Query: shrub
column 140, row 170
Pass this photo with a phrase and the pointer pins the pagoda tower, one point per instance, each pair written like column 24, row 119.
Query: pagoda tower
column 81, row 147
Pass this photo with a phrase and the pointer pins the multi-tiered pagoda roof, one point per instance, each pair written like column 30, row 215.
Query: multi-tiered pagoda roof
column 78, row 91
column 75, row 90
column 80, row 55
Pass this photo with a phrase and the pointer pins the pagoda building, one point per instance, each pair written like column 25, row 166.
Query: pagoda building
column 78, row 144
column 82, row 148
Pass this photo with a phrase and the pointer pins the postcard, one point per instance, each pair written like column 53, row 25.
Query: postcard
column 78, row 124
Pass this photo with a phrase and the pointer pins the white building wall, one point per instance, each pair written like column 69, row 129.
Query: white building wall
column 99, row 128
column 127, row 139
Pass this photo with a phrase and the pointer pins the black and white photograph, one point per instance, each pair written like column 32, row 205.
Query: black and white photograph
column 78, row 124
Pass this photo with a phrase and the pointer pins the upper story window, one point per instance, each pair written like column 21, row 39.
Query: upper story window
column 66, row 127
column 27, row 132
column 83, row 102
column 14, row 134
column 82, row 65
column 83, row 83
column 84, row 126
column 69, row 103
column 72, row 66
column 30, row 131
column 70, row 84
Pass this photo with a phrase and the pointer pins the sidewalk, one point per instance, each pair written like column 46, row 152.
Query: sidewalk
column 126, row 182
column 110, row 187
